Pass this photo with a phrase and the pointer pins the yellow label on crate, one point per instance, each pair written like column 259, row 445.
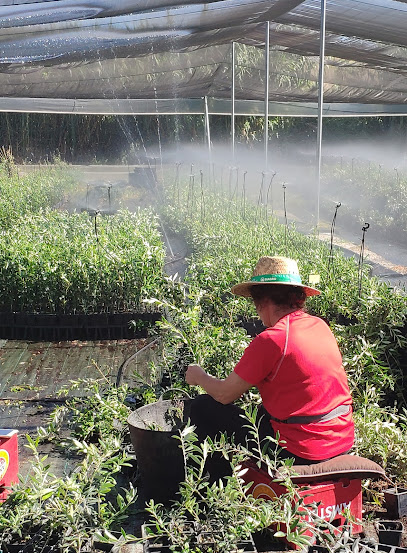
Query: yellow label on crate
column 4, row 462
column 264, row 491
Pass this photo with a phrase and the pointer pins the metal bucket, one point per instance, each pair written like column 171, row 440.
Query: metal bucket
column 159, row 456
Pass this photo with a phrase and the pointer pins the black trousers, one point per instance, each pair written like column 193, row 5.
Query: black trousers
column 212, row 418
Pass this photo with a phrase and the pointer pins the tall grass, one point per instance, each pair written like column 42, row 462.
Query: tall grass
column 73, row 263
column 20, row 194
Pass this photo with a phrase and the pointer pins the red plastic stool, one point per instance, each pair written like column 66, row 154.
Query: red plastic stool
column 8, row 461
column 333, row 486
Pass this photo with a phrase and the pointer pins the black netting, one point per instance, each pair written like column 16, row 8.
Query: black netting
column 155, row 50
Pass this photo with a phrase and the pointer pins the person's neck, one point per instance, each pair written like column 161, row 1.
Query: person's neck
column 274, row 314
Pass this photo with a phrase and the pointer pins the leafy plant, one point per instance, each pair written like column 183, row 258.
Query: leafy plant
column 381, row 434
column 71, row 263
column 21, row 195
column 100, row 415
column 368, row 192
column 50, row 513
column 223, row 511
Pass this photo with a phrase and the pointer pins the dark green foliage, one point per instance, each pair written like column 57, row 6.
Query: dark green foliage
column 36, row 137
column 59, row 263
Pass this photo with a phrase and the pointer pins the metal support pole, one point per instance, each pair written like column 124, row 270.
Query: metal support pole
column 208, row 136
column 320, row 106
column 232, row 122
column 266, row 94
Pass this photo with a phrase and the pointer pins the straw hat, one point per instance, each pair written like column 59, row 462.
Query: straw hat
column 274, row 270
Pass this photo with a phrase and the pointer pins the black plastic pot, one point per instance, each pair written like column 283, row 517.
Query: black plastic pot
column 60, row 327
column 252, row 326
column 396, row 502
column 389, row 532
column 153, row 430
column 196, row 536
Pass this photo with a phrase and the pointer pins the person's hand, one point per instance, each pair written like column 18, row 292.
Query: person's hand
column 193, row 374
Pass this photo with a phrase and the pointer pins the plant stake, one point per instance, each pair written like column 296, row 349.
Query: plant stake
column 361, row 255
column 330, row 258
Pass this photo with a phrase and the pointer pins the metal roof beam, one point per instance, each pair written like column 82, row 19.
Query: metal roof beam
column 195, row 106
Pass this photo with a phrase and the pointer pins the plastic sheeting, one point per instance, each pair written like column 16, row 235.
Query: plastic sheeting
column 105, row 51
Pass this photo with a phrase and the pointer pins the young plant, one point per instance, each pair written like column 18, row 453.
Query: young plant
column 49, row 513
column 224, row 514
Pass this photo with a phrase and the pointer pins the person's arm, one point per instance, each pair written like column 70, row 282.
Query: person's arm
column 224, row 391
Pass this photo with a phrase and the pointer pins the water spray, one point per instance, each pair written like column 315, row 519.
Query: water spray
column 260, row 198
column 190, row 189
column 361, row 257
column 270, row 192
column 236, row 188
column 213, row 176
column 330, row 258
column 230, row 182
column 397, row 176
column 244, row 194
column 176, row 184
column 202, row 199
column 285, row 215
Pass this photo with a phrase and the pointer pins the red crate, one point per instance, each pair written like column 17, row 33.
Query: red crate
column 331, row 498
column 8, row 461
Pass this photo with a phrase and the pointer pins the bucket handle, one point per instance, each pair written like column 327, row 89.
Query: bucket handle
column 173, row 390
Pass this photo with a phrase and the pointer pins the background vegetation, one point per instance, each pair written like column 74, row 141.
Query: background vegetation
column 37, row 138
column 53, row 260
column 202, row 322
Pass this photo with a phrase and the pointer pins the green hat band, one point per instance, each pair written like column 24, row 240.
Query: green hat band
column 292, row 279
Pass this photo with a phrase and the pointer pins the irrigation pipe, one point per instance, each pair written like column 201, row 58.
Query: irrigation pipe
column 179, row 258
column 125, row 364
column 166, row 239
column 33, row 400
column 322, row 33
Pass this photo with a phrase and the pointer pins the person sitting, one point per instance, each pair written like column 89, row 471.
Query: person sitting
column 297, row 368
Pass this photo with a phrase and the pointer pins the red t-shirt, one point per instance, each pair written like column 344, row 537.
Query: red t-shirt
column 297, row 367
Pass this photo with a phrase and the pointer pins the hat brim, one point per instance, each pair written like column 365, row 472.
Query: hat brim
column 243, row 288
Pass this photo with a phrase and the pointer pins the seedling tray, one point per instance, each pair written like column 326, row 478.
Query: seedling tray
column 361, row 546
column 204, row 539
column 61, row 327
